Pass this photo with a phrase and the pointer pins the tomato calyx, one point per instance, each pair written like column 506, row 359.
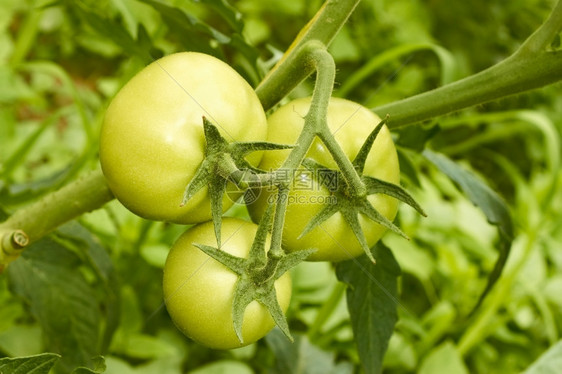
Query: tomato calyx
column 350, row 204
column 257, row 275
column 225, row 162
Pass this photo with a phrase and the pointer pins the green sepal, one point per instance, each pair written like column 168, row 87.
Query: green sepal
column 269, row 300
column 236, row 264
column 224, row 162
column 217, row 187
column 257, row 258
column 257, row 275
column 290, row 260
column 361, row 158
column 352, row 218
column 244, row 294
column 199, row 180
column 350, row 206
column 326, row 212
column 365, row 207
column 375, row 185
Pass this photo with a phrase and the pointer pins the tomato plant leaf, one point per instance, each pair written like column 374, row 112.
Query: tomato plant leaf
column 37, row 364
column 94, row 254
column 98, row 367
column 196, row 35
column 549, row 363
column 113, row 31
column 230, row 14
column 49, row 278
column 372, row 303
column 415, row 137
column 494, row 208
column 302, row 357
column 478, row 191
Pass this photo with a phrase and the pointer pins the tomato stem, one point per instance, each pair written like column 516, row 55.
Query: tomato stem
column 87, row 193
column 288, row 72
column 312, row 55
column 531, row 66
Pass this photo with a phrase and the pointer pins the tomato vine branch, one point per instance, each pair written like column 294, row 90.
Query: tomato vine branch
column 288, row 73
column 87, row 193
column 530, row 67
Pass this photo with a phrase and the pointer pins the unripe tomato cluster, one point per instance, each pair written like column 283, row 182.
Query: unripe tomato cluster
column 151, row 145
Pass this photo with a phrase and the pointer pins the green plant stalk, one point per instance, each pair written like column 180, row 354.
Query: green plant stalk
column 315, row 55
column 288, row 73
column 87, row 193
column 346, row 167
column 530, row 67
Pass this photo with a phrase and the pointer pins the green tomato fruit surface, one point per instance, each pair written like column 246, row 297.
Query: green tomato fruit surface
column 350, row 123
column 199, row 291
column 152, row 139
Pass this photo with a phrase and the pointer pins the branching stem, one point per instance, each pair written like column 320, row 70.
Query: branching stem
column 531, row 66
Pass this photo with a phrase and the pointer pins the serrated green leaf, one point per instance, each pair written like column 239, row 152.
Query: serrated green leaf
column 95, row 255
column 48, row 277
column 38, row 364
column 490, row 202
column 477, row 190
column 195, row 34
column 113, row 31
column 98, row 367
column 372, row 303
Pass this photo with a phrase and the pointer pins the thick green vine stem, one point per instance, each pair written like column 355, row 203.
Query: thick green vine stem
column 87, row 193
column 288, row 72
column 531, row 66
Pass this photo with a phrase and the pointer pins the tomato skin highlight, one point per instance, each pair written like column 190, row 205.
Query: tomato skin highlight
column 152, row 139
column 199, row 291
column 351, row 123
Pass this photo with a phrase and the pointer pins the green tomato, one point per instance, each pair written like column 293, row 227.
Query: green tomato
column 152, row 139
column 199, row 291
column 351, row 123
